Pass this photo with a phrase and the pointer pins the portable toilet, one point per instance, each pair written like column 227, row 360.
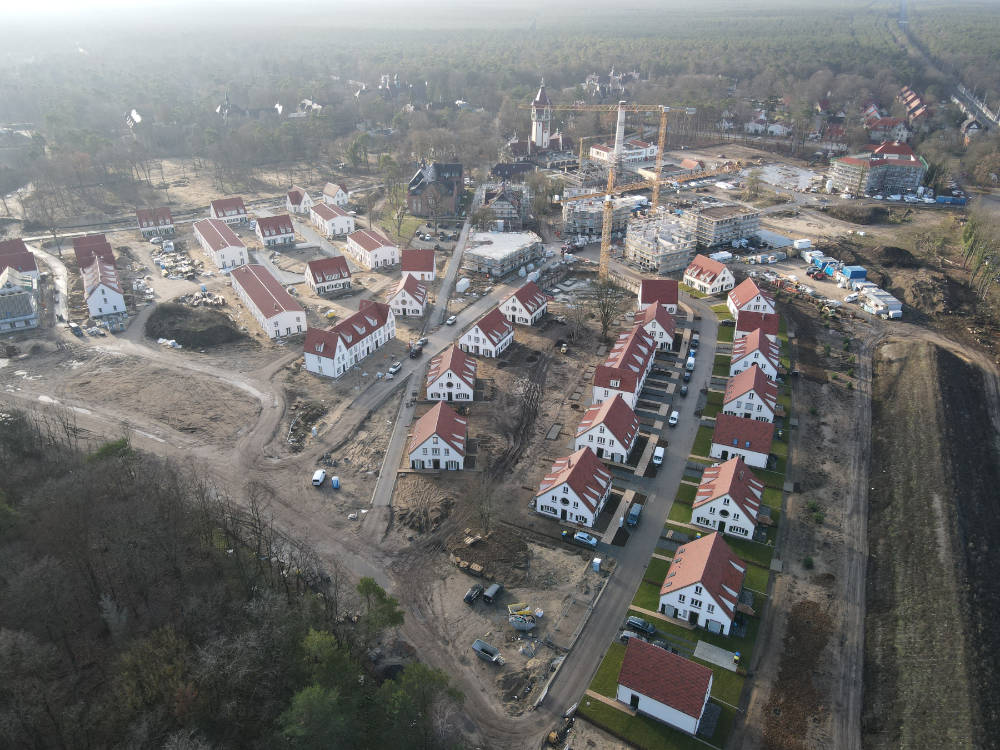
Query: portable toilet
column 335, row 482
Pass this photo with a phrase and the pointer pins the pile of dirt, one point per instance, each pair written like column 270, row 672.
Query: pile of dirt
column 895, row 257
column 501, row 555
column 795, row 703
column 932, row 293
column 932, row 517
column 305, row 415
column 517, row 686
column 192, row 327
column 858, row 214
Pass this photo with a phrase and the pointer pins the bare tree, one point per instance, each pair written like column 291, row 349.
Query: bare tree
column 608, row 299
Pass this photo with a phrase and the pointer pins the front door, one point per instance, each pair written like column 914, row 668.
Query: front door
column 600, row 452
column 437, row 463
column 634, row 702
column 722, row 527
column 562, row 515
column 693, row 617
column 449, row 395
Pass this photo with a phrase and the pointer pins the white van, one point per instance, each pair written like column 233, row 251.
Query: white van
column 658, row 456
column 319, row 476
column 689, row 365
column 853, row 297
column 675, row 417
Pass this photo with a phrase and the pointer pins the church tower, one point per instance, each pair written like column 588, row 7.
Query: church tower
column 541, row 118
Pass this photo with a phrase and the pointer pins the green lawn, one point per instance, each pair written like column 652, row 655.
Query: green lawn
column 773, row 479
column 779, row 446
column 783, row 330
column 756, row 578
column 686, row 493
column 726, row 685
column 726, row 334
column 656, row 570
column 407, row 230
column 744, row 645
column 648, row 596
column 713, row 404
column 751, row 551
column 772, row 498
column 680, row 512
column 720, row 367
column 639, row 731
column 703, row 441
column 691, row 291
column 606, row 680
column 722, row 311
column 680, row 529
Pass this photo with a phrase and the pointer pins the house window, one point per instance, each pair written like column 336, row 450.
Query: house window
column 697, row 589
column 725, row 501
column 696, row 604
column 711, row 608
column 681, row 598
column 425, row 451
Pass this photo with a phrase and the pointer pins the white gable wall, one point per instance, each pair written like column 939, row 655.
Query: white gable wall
column 723, row 511
column 435, row 453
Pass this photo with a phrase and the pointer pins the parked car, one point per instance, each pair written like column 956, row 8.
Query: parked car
column 492, row 593
column 422, row 341
column 640, row 625
column 628, row 635
column 395, row 367
column 684, row 391
column 675, row 417
column 156, row 240
column 634, row 512
column 580, row 537
column 687, row 376
column 658, row 454
column 852, row 297
column 451, row 320
column 474, row 592
column 416, row 352
column 319, row 476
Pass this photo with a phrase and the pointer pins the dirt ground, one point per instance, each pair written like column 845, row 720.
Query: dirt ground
column 797, row 679
column 930, row 648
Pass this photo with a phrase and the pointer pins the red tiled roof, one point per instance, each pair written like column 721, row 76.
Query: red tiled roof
column 228, row 206
column 749, row 321
column 583, row 472
column 637, row 143
column 756, row 341
column 746, row 291
column 296, row 195
column 704, row 269
column 745, row 434
column 15, row 254
column 494, row 326
column 266, row 293
column 85, row 248
column 752, row 379
column 217, row 234
column 707, row 561
column 326, row 212
column 411, row 286
column 369, row 239
column 328, row 269
column 662, row 291
column 530, row 296
column 154, row 217
column 658, row 314
column 454, row 359
column 273, row 226
column 735, row 479
column 371, row 316
column 417, row 260
column 617, row 418
column 666, row 677
column 444, row 422
column 97, row 273
column 627, row 360
column 895, row 148
column 690, row 163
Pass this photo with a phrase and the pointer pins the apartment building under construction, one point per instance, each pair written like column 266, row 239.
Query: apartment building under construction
column 661, row 244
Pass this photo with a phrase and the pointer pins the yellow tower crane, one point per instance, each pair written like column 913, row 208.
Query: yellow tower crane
column 621, row 108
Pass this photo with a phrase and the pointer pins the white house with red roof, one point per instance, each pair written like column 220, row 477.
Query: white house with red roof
column 335, row 195
column 708, row 276
column 751, row 395
column 103, row 292
column 155, row 222
column 728, row 499
column 371, row 249
column 331, row 220
column 419, row 263
column 625, row 370
column 334, row 351
column 438, row 440
column 526, row 306
column 738, row 436
column 575, row 489
column 451, row 376
column 747, row 322
column 659, row 324
column 298, row 201
column 15, row 254
column 272, row 307
column 491, row 335
column 229, row 210
column 664, row 686
column 755, row 349
column 703, row 584
column 221, row 244
column 409, row 298
column 275, row 230
column 326, row 275
column 662, row 292
column 610, row 429
column 748, row 297
column 87, row 247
